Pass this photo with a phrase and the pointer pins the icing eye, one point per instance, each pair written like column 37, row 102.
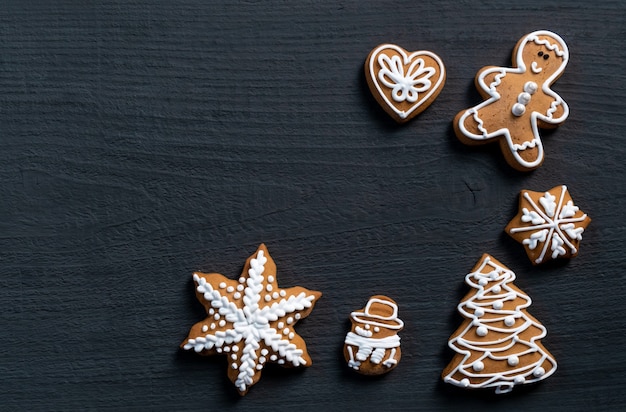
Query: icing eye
column 540, row 53
column 546, row 56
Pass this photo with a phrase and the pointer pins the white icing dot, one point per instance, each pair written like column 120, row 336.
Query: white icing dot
column 268, row 298
column 219, row 350
column 281, row 361
column 496, row 289
column 483, row 282
column 222, row 285
column 270, row 278
column 465, row 382
column 367, row 327
column 212, row 326
column 523, row 98
column 217, row 316
column 222, row 323
column 286, row 331
column 280, row 325
column 512, row 360
column 289, row 320
column 282, row 293
column 240, row 288
column 298, row 316
column 509, row 321
column 539, row 372
column 478, row 366
column 518, row 109
column 273, row 358
column 233, row 356
column 477, row 276
column 482, row 331
column 376, row 329
column 205, row 328
column 268, row 287
column 275, row 295
column 291, row 335
column 211, row 311
column 498, row 304
column 519, row 379
column 493, row 275
column 259, row 367
column 233, row 365
column 235, row 348
column 264, row 352
column 262, row 359
column 242, row 280
column 230, row 289
column 530, row 87
column 226, row 348
column 237, row 295
column 479, row 312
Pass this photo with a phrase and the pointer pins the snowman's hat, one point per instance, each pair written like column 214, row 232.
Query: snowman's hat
column 379, row 311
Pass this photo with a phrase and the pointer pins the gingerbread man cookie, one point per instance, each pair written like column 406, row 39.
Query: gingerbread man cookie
column 404, row 83
column 251, row 320
column 372, row 347
column 519, row 101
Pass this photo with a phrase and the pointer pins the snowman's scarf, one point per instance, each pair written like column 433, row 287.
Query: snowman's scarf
column 363, row 342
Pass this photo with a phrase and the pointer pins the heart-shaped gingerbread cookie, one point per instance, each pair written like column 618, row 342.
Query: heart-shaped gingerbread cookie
column 404, row 83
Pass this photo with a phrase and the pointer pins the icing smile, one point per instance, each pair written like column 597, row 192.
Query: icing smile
column 536, row 69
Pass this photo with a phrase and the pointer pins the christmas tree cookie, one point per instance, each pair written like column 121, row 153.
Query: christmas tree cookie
column 498, row 345
column 372, row 347
column 548, row 224
column 251, row 320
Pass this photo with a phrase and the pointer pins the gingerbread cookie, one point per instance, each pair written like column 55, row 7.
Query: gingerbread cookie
column 372, row 347
column 404, row 83
column 548, row 224
column 498, row 345
column 519, row 101
column 251, row 320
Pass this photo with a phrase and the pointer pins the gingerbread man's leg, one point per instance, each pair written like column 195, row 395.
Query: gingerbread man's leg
column 524, row 147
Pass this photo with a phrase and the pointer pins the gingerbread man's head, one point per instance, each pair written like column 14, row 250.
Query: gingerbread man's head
column 543, row 54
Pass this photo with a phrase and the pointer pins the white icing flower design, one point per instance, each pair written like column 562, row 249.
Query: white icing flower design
column 251, row 320
column 404, row 86
column 554, row 225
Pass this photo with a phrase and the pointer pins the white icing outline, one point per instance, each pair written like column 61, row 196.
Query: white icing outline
column 502, row 381
column 251, row 324
column 554, row 221
column 491, row 89
column 407, row 59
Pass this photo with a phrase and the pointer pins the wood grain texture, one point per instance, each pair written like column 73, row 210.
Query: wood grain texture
column 141, row 142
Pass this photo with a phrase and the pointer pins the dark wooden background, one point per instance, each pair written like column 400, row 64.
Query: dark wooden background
column 141, row 142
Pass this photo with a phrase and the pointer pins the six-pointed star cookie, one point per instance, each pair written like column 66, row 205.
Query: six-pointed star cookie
column 251, row 320
column 548, row 224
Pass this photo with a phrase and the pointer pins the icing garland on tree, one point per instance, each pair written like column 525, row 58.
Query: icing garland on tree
column 498, row 345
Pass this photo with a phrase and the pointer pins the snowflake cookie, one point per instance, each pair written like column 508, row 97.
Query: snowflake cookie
column 498, row 344
column 404, row 83
column 519, row 101
column 251, row 320
column 548, row 224
column 372, row 347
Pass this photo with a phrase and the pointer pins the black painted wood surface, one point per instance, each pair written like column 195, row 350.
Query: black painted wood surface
column 141, row 142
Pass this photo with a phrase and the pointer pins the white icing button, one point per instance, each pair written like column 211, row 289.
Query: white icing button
column 496, row 289
column 234, row 366
column 509, row 321
column 465, row 382
column 479, row 312
column 478, row 366
column 286, row 331
column 264, row 352
column 498, row 305
column 226, row 348
column 280, row 325
column 523, row 98
column 217, row 316
column 212, row 326
column 530, row 87
column 283, row 293
column 222, row 323
column 518, row 109
column 289, row 320
column 211, row 311
column 242, row 280
column 281, row 361
column 233, row 356
column 297, row 316
column 268, row 287
column 240, row 288
column 291, row 335
column 262, row 359
column 230, row 289
column 376, row 329
column 235, row 348
column 539, row 372
column 259, row 367
column 237, row 295
column 483, row 282
column 222, row 285
column 273, row 358
column 268, row 298
column 270, row 278
column 367, row 327
column 482, row 331
column 275, row 295
column 512, row 360
column 205, row 328
column 493, row 275
column 519, row 379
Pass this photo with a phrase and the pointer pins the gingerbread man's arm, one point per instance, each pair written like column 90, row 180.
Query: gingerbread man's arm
column 556, row 113
column 488, row 79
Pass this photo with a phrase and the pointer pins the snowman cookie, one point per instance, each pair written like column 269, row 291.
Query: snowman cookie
column 519, row 101
column 372, row 347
